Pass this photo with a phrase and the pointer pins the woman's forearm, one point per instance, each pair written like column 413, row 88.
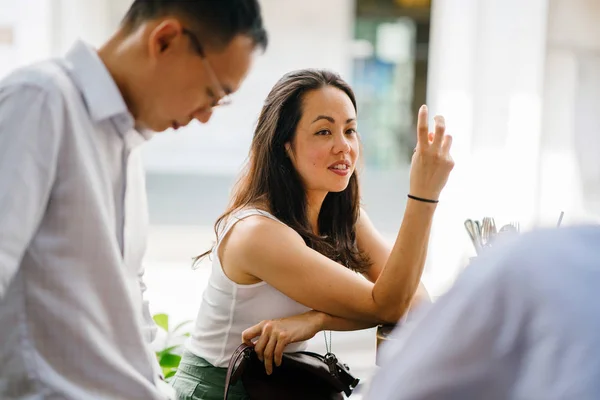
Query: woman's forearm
column 430, row 167
column 401, row 275
column 326, row 322
column 330, row 322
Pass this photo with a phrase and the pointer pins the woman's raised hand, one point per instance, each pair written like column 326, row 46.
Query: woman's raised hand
column 431, row 162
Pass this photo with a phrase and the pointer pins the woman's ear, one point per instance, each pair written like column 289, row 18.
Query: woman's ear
column 288, row 150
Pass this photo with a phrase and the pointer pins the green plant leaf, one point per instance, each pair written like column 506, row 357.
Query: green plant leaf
column 167, row 371
column 170, row 373
column 169, row 360
column 162, row 352
column 162, row 320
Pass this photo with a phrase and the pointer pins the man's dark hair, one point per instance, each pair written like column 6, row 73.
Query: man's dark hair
column 217, row 21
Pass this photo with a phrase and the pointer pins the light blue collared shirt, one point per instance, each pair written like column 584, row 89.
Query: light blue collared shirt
column 522, row 322
column 73, row 222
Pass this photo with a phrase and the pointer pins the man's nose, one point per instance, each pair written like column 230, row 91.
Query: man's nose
column 203, row 116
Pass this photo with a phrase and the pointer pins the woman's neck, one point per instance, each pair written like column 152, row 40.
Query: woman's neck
column 314, row 201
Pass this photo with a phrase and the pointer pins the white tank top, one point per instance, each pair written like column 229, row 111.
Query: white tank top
column 229, row 308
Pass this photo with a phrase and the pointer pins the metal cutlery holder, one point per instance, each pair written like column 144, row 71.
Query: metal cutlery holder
column 483, row 233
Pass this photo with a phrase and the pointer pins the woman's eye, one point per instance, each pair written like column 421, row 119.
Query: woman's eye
column 351, row 131
column 323, row 132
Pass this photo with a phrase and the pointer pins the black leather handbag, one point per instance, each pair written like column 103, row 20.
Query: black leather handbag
column 301, row 375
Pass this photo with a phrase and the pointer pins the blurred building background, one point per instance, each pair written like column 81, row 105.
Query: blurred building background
column 515, row 80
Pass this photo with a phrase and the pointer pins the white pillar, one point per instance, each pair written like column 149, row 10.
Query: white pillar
column 28, row 29
column 486, row 78
column 89, row 20
column 571, row 104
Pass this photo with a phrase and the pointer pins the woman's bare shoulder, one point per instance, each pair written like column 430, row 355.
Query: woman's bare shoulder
column 261, row 232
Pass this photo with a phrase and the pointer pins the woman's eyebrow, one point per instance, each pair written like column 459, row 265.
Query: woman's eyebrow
column 330, row 119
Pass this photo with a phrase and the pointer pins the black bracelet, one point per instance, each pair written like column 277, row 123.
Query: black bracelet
column 410, row 196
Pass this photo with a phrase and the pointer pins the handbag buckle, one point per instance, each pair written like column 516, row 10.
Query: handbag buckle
column 331, row 361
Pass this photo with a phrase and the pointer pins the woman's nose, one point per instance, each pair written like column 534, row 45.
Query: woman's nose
column 341, row 144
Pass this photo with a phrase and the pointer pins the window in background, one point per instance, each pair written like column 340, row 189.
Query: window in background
column 390, row 76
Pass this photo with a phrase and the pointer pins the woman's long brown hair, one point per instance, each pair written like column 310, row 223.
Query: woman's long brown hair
column 270, row 180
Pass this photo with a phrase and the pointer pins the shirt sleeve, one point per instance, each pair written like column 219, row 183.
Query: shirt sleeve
column 461, row 347
column 29, row 143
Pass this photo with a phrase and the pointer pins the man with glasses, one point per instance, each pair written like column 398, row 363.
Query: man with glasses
column 73, row 321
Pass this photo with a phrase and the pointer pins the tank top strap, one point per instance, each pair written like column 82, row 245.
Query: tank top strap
column 239, row 215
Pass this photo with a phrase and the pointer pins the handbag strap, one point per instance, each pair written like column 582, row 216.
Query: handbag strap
column 233, row 372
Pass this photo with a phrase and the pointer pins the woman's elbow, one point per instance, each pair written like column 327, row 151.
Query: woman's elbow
column 391, row 315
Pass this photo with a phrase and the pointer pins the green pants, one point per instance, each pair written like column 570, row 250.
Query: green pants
column 197, row 379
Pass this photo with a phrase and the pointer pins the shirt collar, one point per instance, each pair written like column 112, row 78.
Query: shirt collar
column 100, row 92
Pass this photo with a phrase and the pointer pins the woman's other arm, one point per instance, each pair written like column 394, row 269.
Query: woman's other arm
column 372, row 243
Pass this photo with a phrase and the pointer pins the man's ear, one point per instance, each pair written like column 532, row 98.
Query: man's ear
column 163, row 36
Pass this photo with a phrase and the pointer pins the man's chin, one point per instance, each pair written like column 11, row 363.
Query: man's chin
column 156, row 128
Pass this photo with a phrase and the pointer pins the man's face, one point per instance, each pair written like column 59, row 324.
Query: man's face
column 181, row 83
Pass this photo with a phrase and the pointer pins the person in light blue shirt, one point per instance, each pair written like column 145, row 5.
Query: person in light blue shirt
column 73, row 320
column 522, row 322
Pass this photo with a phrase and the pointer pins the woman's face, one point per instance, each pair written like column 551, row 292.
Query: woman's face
column 325, row 146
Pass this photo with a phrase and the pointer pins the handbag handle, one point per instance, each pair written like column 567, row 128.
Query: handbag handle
column 233, row 372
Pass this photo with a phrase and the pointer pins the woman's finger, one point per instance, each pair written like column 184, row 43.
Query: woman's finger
column 268, row 353
column 422, row 127
column 282, row 341
column 440, row 128
column 447, row 144
column 259, row 346
column 252, row 333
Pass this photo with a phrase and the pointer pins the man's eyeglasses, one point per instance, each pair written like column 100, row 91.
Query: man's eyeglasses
column 217, row 92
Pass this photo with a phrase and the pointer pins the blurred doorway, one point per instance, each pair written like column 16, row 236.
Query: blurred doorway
column 390, row 56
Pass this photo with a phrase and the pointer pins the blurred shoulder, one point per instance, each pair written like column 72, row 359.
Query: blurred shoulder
column 541, row 256
column 43, row 82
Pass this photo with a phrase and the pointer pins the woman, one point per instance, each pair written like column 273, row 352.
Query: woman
column 294, row 236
